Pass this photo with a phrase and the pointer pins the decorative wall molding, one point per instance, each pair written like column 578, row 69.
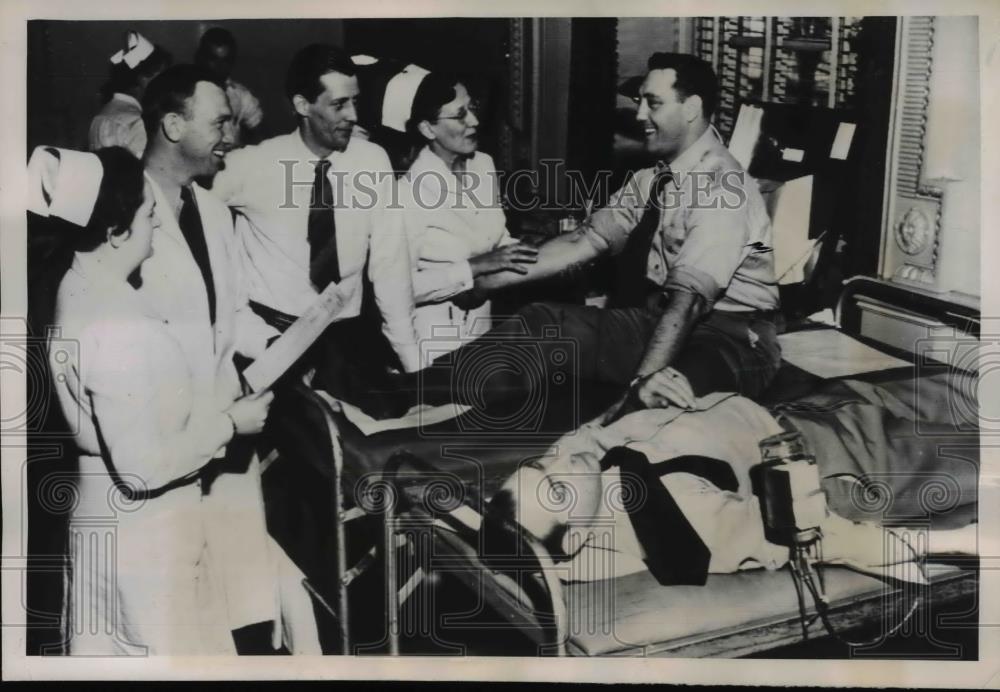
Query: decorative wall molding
column 913, row 233
column 512, row 129
column 517, row 58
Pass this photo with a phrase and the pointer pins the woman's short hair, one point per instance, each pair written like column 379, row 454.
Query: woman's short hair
column 435, row 91
column 118, row 198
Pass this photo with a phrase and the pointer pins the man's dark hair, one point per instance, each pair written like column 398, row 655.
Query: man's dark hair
column 216, row 36
column 311, row 63
column 169, row 93
column 695, row 77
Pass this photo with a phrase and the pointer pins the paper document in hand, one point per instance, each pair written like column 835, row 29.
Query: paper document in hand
column 290, row 346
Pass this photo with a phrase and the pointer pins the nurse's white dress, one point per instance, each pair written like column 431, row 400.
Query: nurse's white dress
column 154, row 576
column 448, row 221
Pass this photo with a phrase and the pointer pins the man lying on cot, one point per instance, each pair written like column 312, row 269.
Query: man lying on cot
column 661, row 489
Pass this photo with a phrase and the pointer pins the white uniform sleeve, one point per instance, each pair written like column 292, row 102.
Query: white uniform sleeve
column 435, row 278
column 228, row 184
column 389, row 270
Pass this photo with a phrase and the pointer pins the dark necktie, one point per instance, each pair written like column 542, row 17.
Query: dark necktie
column 190, row 222
column 634, row 258
column 675, row 553
column 324, row 266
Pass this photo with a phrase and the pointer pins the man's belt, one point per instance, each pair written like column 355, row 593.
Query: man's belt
column 274, row 318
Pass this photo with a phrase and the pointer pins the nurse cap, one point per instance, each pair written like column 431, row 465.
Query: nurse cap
column 137, row 48
column 64, row 183
column 399, row 94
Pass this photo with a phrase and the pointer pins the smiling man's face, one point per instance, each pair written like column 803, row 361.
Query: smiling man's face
column 206, row 136
column 330, row 119
column 663, row 114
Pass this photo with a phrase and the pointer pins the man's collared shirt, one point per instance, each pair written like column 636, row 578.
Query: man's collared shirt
column 271, row 185
column 714, row 235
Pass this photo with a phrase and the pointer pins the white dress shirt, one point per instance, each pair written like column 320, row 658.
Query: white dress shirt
column 271, row 185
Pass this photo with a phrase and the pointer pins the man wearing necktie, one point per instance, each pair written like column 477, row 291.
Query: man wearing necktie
column 697, row 297
column 195, row 281
column 314, row 208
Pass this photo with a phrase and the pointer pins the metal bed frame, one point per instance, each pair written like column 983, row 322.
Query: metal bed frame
column 545, row 621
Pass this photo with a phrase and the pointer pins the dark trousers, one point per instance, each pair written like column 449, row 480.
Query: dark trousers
column 351, row 362
column 734, row 352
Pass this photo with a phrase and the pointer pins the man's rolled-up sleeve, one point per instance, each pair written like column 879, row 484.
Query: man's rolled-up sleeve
column 613, row 223
column 712, row 252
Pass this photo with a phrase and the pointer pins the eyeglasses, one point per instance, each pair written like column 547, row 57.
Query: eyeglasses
column 463, row 113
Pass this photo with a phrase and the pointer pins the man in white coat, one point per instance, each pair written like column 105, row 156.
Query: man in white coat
column 194, row 280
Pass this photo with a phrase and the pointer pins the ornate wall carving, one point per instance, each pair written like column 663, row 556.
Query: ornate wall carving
column 913, row 237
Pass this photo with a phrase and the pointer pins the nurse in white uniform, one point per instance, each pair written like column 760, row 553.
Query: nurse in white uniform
column 455, row 224
column 147, row 569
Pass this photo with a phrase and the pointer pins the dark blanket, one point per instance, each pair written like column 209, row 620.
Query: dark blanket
column 897, row 451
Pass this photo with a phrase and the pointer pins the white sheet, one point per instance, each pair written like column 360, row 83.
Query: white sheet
column 831, row 353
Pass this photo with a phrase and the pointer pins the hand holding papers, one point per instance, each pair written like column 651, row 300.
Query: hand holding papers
column 284, row 352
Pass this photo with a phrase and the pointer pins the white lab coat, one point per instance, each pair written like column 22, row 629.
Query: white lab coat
column 173, row 285
column 447, row 223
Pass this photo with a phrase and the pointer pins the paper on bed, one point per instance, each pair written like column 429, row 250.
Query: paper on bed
column 290, row 346
column 831, row 353
column 418, row 416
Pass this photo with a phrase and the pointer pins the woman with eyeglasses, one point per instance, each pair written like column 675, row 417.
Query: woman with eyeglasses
column 455, row 224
